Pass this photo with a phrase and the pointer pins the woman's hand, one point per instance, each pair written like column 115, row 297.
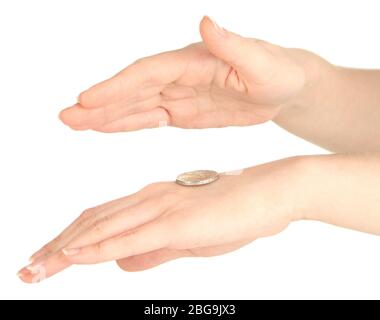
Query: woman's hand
column 226, row 80
column 165, row 221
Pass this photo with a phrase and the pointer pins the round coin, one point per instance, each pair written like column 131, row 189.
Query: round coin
column 197, row 178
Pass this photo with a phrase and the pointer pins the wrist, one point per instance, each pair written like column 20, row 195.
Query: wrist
column 302, row 177
column 312, row 180
column 318, row 75
column 298, row 179
column 285, row 195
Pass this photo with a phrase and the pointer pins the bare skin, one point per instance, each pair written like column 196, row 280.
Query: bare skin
column 193, row 88
column 158, row 223
column 228, row 80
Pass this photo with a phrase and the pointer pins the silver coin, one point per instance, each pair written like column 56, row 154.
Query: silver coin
column 197, row 178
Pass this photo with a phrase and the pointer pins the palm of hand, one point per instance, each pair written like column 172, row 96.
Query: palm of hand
column 188, row 88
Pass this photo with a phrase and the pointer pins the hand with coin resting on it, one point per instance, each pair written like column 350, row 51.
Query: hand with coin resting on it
column 228, row 80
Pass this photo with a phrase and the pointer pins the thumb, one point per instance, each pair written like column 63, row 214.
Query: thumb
column 247, row 56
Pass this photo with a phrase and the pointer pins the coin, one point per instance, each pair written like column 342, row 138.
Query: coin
column 197, row 178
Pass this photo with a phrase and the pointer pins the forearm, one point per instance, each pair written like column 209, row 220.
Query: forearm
column 339, row 109
column 343, row 190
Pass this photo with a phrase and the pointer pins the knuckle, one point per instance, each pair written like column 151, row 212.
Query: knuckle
column 165, row 191
column 140, row 61
column 97, row 227
column 155, row 186
column 87, row 213
column 49, row 247
column 98, row 248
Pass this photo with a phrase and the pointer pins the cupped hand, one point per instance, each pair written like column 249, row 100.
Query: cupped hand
column 165, row 221
column 226, row 80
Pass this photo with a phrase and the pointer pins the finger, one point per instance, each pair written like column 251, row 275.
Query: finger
column 80, row 118
column 104, row 228
column 248, row 56
column 158, row 257
column 58, row 262
column 150, row 259
column 149, row 237
column 159, row 69
column 119, row 222
column 37, row 272
column 158, row 117
column 83, row 221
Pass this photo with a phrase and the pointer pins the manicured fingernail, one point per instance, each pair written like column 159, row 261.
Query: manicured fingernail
column 22, row 273
column 80, row 96
column 34, row 257
column 70, row 252
column 221, row 31
column 39, row 255
column 34, row 268
column 32, row 273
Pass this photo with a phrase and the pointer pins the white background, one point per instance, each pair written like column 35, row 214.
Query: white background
column 52, row 50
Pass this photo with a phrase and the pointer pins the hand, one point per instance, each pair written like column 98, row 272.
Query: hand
column 226, row 80
column 165, row 221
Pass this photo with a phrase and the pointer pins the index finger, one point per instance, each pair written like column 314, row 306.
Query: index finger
column 82, row 222
column 158, row 69
column 152, row 236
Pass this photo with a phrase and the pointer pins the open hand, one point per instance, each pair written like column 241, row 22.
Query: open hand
column 226, row 80
column 165, row 221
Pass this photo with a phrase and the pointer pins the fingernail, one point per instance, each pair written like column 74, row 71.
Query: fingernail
column 34, row 268
column 22, row 273
column 38, row 256
column 221, row 31
column 70, row 252
column 80, row 96
column 32, row 273
column 34, row 257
